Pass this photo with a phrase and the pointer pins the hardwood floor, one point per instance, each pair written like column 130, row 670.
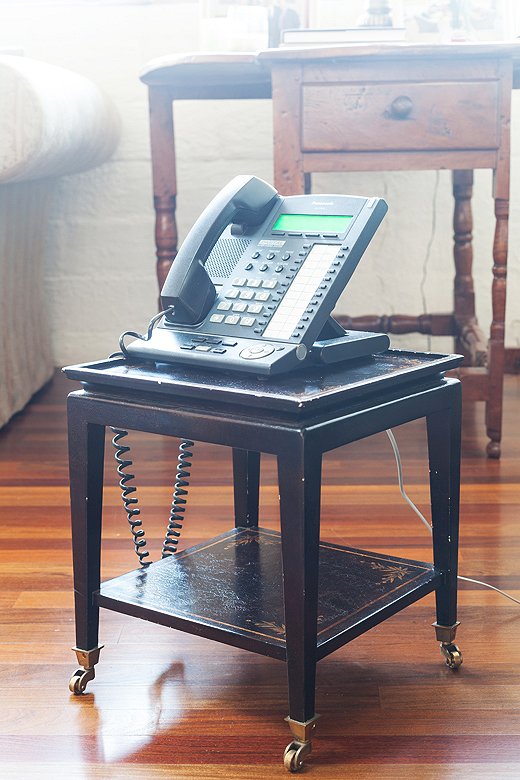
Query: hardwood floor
column 172, row 705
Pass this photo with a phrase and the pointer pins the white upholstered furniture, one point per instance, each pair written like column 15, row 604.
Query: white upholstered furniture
column 52, row 122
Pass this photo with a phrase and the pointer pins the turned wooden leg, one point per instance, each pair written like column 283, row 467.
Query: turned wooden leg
column 470, row 340
column 497, row 333
column 164, row 178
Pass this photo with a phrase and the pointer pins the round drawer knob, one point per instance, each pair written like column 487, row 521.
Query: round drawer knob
column 401, row 107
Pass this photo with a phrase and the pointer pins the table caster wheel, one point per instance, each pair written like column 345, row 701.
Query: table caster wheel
column 78, row 681
column 295, row 754
column 452, row 655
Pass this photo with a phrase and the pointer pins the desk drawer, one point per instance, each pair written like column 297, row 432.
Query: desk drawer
column 401, row 116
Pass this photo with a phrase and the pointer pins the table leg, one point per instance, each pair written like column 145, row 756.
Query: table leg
column 299, row 477
column 164, row 178
column 444, row 457
column 86, row 458
column 246, row 486
column 497, row 334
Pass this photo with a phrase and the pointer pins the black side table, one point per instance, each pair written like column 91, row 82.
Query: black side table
column 286, row 595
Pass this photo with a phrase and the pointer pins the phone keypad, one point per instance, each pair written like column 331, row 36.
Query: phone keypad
column 277, row 296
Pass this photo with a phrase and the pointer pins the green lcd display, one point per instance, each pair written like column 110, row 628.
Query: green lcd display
column 313, row 223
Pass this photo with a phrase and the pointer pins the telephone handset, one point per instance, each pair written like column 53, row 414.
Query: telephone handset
column 255, row 281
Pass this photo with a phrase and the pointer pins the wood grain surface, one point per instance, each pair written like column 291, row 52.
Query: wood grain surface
column 166, row 704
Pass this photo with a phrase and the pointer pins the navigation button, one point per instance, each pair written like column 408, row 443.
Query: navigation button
column 255, row 352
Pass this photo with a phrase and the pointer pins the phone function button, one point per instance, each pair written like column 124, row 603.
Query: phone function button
column 286, row 256
column 232, row 319
column 216, row 318
column 312, row 235
column 254, row 282
column 294, row 234
column 229, row 343
column 270, row 256
column 340, row 254
column 246, row 295
column 213, row 340
column 279, row 269
column 257, row 351
column 224, row 306
column 239, row 281
column 255, row 255
column 249, row 267
column 330, row 235
column 198, row 338
column 248, row 322
column 219, row 350
column 263, row 267
column 232, row 294
column 239, row 306
column 269, row 284
column 202, row 348
column 187, row 346
column 262, row 296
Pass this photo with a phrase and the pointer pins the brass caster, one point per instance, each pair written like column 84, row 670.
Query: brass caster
column 452, row 655
column 78, row 681
column 295, row 754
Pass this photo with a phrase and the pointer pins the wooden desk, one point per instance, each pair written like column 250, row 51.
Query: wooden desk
column 377, row 107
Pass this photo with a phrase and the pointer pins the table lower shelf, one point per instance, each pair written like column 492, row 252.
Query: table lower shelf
column 230, row 589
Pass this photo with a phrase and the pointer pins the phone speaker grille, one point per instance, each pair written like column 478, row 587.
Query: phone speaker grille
column 224, row 256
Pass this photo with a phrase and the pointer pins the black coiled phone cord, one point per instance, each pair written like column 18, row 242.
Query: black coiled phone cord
column 130, row 500
column 178, row 507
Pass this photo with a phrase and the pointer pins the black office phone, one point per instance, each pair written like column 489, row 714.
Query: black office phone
column 254, row 283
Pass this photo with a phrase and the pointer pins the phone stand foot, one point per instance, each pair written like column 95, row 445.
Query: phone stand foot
column 88, row 659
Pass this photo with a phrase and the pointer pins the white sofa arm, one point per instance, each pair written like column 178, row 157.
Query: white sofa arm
column 52, row 122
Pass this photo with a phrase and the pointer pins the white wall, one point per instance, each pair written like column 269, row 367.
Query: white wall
column 100, row 276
